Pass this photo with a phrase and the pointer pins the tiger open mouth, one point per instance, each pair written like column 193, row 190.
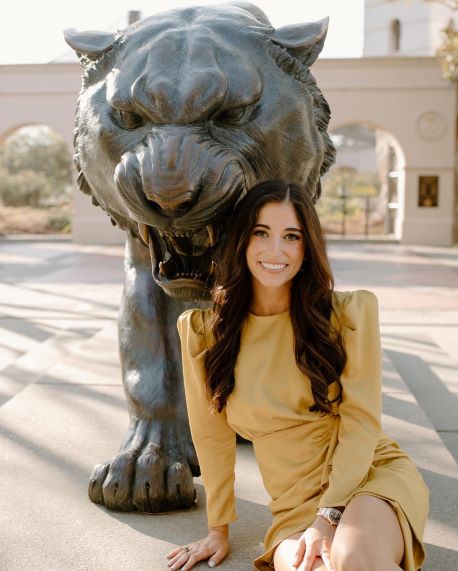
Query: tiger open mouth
column 183, row 261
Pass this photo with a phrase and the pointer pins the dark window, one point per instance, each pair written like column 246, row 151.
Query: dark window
column 395, row 35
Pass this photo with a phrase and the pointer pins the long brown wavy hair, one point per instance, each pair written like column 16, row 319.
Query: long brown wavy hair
column 318, row 346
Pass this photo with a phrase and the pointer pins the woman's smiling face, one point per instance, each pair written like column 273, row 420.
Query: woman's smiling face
column 276, row 248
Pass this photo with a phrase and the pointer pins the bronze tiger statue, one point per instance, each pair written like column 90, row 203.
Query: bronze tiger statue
column 179, row 115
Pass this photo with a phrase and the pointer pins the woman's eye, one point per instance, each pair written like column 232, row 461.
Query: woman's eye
column 128, row 119
column 259, row 233
column 292, row 237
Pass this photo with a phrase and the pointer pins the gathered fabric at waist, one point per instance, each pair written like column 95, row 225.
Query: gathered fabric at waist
column 297, row 457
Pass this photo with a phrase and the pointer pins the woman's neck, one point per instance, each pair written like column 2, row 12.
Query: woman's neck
column 269, row 301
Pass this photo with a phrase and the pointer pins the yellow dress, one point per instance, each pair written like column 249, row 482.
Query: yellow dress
column 306, row 459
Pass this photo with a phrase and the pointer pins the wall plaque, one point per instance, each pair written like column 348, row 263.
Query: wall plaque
column 428, row 191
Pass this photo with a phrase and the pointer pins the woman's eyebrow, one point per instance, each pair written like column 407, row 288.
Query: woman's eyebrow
column 286, row 229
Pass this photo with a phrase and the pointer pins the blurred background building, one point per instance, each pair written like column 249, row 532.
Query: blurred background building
column 385, row 183
column 393, row 122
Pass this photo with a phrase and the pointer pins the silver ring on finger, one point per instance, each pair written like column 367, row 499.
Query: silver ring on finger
column 187, row 549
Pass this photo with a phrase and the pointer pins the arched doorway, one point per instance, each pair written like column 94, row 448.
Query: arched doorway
column 36, row 189
column 363, row 191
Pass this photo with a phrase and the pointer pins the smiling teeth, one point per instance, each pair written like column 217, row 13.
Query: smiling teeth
column 273, row 266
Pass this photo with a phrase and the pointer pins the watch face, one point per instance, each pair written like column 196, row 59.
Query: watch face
column 333, row 516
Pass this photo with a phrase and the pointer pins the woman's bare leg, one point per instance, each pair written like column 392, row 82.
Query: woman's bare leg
column 285, row 553
column 368, row 537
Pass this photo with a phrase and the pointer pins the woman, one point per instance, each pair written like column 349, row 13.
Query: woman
column 289, row 363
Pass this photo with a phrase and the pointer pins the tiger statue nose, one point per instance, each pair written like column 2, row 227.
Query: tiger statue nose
column 167, row 180
column 171, row 200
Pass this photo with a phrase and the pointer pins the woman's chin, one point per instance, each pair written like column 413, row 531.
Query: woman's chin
column 274, row 281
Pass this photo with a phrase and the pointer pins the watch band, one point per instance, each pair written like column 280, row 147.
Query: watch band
column 330, row 514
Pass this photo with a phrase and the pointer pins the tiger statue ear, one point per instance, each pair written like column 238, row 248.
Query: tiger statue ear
column 90, row 44
column 303, row 41
column 94, row 50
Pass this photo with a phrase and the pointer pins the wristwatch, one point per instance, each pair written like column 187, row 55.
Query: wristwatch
column 331, row 514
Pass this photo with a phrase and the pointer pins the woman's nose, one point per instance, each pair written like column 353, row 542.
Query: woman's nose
column 276, row 246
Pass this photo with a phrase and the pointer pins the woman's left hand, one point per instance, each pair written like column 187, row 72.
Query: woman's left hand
column 214, row 547
column 315, row 542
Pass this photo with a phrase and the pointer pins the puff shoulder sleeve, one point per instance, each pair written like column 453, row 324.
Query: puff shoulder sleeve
column 360, row 409
column 214, row 439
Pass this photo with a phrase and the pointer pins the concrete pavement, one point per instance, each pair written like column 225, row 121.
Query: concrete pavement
column 63, row 409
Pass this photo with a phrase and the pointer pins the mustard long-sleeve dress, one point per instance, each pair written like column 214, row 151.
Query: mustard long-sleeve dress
column 306, row 459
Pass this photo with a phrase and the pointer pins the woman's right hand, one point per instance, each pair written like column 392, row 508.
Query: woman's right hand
column 214, row 547
column 315, row 542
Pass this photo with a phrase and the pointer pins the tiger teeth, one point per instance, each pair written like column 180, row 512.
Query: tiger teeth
column 211, row 235
column 167, row 267
column 144, row 233
column 177, row 235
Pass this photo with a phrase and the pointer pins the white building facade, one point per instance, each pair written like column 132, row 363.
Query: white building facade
column 405, row 27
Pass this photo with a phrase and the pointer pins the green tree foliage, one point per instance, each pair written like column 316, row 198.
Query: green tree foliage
column 35, row 168
column 24, row 188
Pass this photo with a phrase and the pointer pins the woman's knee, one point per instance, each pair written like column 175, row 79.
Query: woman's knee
column 362, row 542
column 284, row 554
column 345, row 557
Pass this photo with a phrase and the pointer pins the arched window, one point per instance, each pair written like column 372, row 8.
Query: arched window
column 360, row 197
column 395, row 35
